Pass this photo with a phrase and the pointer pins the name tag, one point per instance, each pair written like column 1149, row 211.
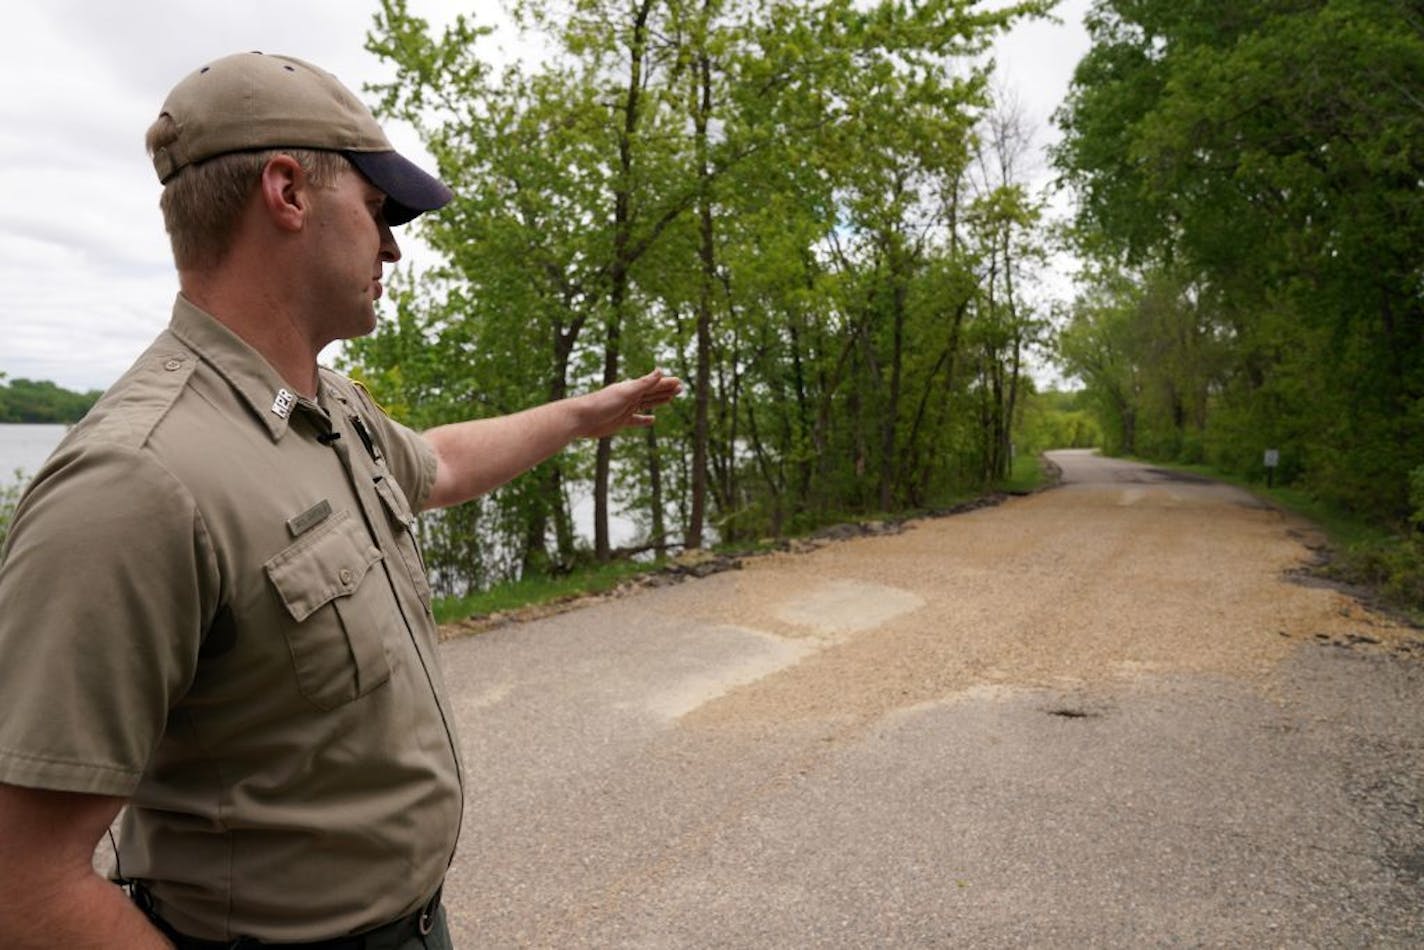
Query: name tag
column 310, row 518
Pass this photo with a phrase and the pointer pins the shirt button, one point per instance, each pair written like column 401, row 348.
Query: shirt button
column 346, row 577
column 171, row 365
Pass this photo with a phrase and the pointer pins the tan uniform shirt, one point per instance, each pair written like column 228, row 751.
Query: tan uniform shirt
column 211, row 602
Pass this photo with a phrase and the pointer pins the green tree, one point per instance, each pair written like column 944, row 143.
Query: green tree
column 1269, row 156
column 41, row 401
column 770, row 198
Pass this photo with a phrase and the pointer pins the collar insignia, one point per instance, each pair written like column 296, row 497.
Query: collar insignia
column 282, row 405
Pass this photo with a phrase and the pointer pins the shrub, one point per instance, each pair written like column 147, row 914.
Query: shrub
column 9, row 498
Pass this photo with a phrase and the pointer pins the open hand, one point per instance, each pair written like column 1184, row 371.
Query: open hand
column 627, row 404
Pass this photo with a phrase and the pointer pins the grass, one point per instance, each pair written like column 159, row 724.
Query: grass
column 530, row 591
column 1027, row 475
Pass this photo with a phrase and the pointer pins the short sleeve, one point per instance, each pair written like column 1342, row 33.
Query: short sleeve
column 106, row 586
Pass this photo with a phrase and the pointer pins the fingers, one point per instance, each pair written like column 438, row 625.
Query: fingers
column 654, row 390
column 660, row 386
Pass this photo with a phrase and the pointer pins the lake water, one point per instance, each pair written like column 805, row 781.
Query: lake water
column 25, row 447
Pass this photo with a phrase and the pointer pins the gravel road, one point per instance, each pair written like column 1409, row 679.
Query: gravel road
column 1102, row 715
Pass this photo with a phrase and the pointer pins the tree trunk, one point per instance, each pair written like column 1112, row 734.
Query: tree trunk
column 603, row 459
column 1006, row 460
column 622, row 261
column 803, row 420
column 655, row 488
column 707, row 255
column 890, row 422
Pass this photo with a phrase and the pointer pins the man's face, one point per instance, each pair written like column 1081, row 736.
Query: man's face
column 352, row 243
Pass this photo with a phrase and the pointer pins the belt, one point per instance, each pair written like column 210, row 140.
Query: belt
column 385, row 937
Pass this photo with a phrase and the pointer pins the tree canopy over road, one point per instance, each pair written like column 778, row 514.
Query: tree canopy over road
column 1250, row 179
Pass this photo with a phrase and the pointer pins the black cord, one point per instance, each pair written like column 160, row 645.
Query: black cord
column 118, row 868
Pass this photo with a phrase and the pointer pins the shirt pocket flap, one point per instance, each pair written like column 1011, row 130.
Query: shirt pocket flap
column 330, row 563
column 394, row 500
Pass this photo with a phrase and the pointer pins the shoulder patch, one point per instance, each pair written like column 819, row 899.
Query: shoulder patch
column 347, row 388
column 367, row 393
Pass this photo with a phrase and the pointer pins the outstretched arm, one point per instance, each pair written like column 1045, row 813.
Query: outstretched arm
column 477, row 456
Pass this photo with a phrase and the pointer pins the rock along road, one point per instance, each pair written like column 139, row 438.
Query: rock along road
column 1102, row 715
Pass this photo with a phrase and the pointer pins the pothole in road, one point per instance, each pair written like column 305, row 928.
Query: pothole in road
column 1070, row 712
column 1076, row 707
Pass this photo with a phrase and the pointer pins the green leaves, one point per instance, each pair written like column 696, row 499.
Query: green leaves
column 29, row 400
column 789, row 204
column 1272, row 154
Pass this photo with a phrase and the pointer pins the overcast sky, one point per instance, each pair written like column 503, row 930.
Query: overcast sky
column 83, row 257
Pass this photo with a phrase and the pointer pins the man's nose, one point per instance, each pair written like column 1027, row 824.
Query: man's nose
column 390, row 250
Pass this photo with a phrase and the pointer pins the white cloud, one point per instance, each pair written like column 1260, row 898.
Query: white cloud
column 83, row 256
column 1035, row 63
column 1037, row 59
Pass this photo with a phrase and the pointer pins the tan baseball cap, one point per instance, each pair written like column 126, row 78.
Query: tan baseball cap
column 256, row 101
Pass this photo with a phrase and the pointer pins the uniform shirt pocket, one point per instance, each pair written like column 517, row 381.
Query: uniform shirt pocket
column 339, row 612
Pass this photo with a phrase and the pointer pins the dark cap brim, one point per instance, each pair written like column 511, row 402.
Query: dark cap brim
column 409, row 190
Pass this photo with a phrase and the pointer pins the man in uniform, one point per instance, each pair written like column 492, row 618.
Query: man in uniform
column 212, row 606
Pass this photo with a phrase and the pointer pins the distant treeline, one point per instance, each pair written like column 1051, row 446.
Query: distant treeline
column 29, row 400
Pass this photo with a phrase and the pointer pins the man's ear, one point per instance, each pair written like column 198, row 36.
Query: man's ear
column 285, row 192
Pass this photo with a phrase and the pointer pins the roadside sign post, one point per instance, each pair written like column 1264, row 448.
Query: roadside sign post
column 1273, row 458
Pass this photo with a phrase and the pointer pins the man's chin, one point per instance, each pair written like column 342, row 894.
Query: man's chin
column 365, row 327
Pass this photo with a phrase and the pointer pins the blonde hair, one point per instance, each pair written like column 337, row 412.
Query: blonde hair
column 202, row 204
